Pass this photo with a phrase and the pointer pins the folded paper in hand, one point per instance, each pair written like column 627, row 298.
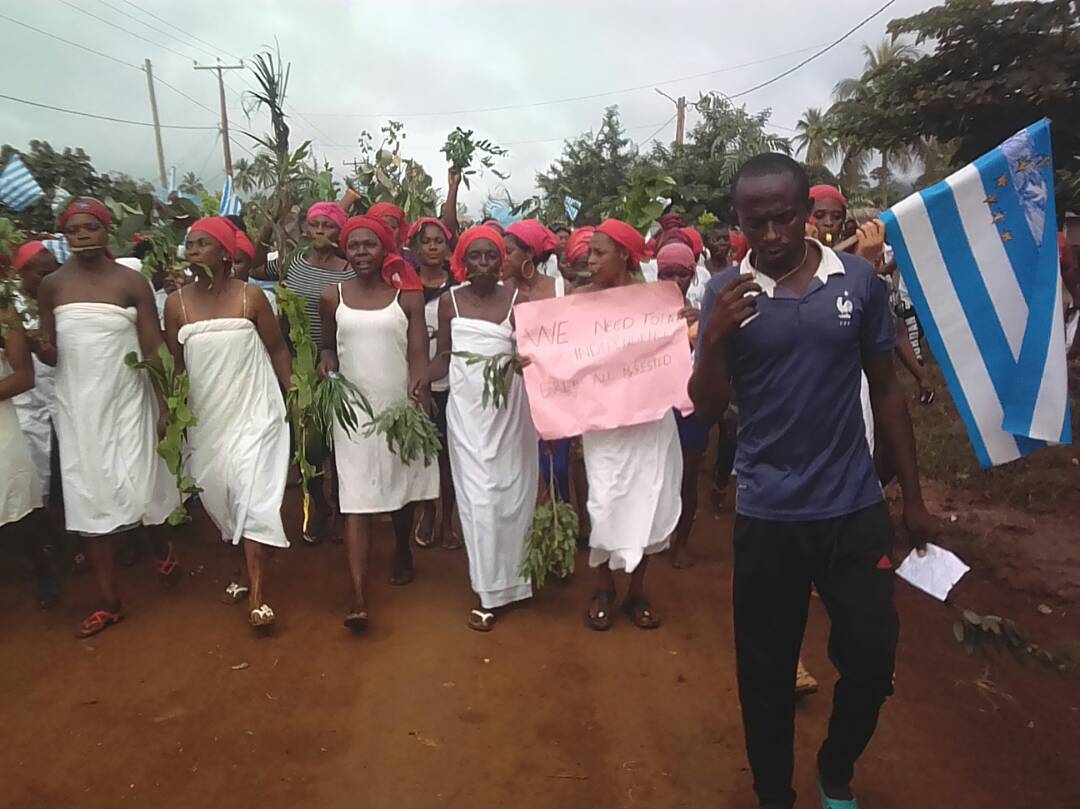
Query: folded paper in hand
column 936, row 573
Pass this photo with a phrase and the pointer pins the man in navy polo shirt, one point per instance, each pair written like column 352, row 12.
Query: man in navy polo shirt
column 789, row 332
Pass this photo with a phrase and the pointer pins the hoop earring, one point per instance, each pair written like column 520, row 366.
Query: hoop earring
column 530, row 276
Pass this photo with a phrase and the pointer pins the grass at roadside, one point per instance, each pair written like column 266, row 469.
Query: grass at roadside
column 1038, row 482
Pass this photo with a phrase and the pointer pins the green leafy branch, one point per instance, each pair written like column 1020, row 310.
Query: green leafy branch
column 409, row 431
column 460, row 150
column 300, row 397
column 499, row 370
column 336, row 400
column 173, row 388
column 551, row 545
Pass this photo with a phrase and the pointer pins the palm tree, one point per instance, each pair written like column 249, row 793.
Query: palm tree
column 886, row 55
column 191, row 184
column 815, row 137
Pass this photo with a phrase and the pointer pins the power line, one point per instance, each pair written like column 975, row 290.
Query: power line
column 299, row 114
column 551, row 102
column 154, row 28
column 814, row 56
column 125, row 30
column 158, row 79
column 658, row 129
column 181, row 30
column 101, row 117
column 69, row 42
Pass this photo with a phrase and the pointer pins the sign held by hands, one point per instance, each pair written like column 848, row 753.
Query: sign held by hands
column 604, row 359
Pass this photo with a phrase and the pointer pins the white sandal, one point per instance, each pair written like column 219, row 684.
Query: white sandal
column 235, row 593
column 263, row 616
column 481, row 621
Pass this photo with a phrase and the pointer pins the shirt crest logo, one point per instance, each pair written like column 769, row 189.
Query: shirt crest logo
column 844, row 307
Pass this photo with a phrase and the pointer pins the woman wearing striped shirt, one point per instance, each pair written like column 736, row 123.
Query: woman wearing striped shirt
column 308, row 274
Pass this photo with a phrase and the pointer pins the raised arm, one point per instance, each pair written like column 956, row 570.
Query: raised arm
column 449, row 210
column 328, row 360
column 440, row 366
column 270, row 333
column 17, row 349
column 419, row 386
column 262, row 247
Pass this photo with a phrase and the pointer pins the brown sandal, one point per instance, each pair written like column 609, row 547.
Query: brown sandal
column 640, row 613
column 356, row 620
column 600, row 616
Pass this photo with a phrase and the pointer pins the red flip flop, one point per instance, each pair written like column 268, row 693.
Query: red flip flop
column 167, row 565
column 98, row 622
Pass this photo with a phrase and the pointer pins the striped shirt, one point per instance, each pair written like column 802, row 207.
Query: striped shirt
column 309, row 281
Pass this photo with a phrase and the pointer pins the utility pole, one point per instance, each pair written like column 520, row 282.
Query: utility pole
column 680, row 116
column 680, row 121
column 224, row 113
column 356, row 164
column 157, row 124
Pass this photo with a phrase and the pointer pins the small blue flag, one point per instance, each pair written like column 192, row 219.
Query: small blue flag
column 18, row 188
column 572, row 207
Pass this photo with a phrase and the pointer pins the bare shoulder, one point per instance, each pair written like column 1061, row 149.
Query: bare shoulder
column 132, row 280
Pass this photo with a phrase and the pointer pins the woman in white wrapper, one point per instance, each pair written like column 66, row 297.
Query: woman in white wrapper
column 635, row 473
column 375, row 336
column 493, row 452
column 223, row 332
column 93, row 313
column 20, row 487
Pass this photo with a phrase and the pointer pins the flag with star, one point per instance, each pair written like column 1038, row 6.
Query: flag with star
column 978, row 253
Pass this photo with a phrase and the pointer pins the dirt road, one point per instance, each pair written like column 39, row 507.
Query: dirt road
column 424, row 713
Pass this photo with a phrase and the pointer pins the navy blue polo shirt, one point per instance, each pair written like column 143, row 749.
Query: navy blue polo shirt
column 796, row 368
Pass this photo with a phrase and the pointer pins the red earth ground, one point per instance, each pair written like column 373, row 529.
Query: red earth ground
column 182, row 706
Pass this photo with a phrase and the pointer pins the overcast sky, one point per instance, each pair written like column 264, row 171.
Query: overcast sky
column 354, row 64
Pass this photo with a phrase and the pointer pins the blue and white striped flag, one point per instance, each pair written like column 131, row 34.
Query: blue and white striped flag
column 18, row 188
column 979, row 255
column 572, row 208
column 61, row 197
column 230, row 203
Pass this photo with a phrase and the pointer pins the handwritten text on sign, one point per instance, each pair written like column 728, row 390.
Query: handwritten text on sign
column 604, row 359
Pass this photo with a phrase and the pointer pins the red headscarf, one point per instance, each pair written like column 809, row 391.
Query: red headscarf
column 820, row 192
column 739, row 245
column 395, row 270
column 674, row 254
column 24, row 253
column 419, row 224
column 244, row 245
column 534, row 235
column 86, row 205
column 381, row 210
column 671, row 220
column 625, row 235
column 331, row 210
column 457, row 263
column 697, row 244
column 220, row 229
column 578, row 243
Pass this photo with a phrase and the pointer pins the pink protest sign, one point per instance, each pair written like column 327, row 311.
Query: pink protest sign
column 604, row 359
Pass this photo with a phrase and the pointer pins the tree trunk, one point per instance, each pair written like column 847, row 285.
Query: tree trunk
column 884, row 180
